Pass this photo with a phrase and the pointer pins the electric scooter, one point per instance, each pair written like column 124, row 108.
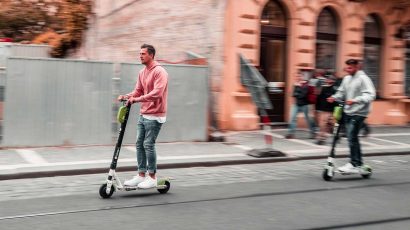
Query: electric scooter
column 330, row 168
column 113, row 182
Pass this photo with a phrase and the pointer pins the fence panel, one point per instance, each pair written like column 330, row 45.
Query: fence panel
column 188, row 93
column 55, row 102
column 8, row 49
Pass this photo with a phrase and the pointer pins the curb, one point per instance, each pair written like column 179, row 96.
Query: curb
column 74, row 172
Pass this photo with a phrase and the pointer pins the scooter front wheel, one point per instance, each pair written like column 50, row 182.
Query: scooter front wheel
column 326, row 176
column 103, row 191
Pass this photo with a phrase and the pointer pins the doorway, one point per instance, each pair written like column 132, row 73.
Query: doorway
column 273, row 57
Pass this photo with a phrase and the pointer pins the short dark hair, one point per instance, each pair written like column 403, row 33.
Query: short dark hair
column 150, row 48
column 352, row 62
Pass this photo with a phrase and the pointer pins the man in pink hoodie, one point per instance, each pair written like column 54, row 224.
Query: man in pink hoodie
column 151, row 91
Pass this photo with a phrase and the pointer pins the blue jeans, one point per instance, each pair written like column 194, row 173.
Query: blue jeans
column 148, row 131
column 293, row 115
column 353, row 126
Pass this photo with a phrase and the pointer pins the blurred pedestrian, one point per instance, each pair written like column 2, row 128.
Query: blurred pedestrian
column 358, row 92
column 151, row 91
column 315, row 84
column 324, row 109
column 300, row 93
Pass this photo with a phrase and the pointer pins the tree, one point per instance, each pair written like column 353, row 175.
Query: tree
column 59, row 23
column 22, row 20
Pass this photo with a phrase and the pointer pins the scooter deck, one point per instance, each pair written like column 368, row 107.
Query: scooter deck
column 351, row 173
column 130, row 188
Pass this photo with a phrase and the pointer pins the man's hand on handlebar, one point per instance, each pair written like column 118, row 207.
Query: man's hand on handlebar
column 330, row 99
column 350, row 102
column 127, row 99
column 122, row 98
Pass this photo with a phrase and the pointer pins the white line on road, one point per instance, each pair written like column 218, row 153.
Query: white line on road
column 327, row 148
column 392, row 142
column 308, row 143
column 388, row 134
column 201, row 156
column 71, row 163
column 272, row 134
column 31, row 156
column 131, row 148
column 368, row 143
column 243, row 147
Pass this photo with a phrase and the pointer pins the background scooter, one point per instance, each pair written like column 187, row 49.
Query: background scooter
column 113, row 182
column 330, row 168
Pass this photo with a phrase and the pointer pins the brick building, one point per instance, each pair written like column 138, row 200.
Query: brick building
column 279, row 37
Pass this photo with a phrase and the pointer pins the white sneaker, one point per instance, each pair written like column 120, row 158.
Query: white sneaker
column 149, row 182
column 134, row 181
column 348, row 168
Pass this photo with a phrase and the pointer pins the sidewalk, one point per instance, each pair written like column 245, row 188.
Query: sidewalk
column 56, row 161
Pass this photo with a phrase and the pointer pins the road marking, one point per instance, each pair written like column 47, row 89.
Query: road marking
column 243, row 147
column 377, row 161
column 72, row 163
column 392, row 142
column 327, row 148
column 308, row 143
column 201, row 156
column 31, row 156
column 272, row 134
column 131, row 148
column 368, row 143
column 388, row 134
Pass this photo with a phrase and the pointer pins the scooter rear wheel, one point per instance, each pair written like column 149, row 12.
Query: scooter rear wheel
column 103, row 191
column 369, row 172
column 165, row 190
column 326, row 176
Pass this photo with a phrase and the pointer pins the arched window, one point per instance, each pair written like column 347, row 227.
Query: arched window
column 326, row 40
column 273, row 42
column 373, row 48
column 273, row 15
column 273, row 55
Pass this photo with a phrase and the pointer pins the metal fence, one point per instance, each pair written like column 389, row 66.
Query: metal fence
column 8, row 49
column 22, row 50
column 57, row 102
column 187, row 116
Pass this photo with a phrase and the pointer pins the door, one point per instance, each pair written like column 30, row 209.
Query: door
column 272, row 67
column 273, row 56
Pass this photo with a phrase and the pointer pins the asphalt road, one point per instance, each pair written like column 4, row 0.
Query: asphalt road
column 289, row 195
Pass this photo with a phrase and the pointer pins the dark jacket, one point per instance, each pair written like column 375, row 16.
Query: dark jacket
column 300, row 93
column 321, row 103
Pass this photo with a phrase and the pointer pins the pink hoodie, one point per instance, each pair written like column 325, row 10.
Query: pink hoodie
column 151, row 90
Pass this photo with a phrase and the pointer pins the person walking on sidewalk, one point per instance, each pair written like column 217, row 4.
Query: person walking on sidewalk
column 300, row 93
column 324, row 109
column 151, row 91
column 358, row 92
